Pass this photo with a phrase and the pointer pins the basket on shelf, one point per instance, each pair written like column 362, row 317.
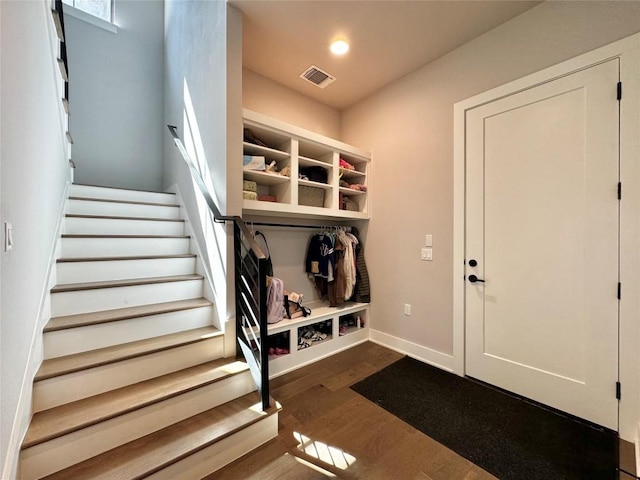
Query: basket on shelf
column 310, row 196
column 347, row 204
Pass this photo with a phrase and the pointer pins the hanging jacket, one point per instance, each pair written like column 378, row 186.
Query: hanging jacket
column 362, row 290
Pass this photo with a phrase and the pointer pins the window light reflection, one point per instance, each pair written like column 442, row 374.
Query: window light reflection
column 323, row 452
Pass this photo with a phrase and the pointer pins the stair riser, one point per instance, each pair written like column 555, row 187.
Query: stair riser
column 89, row 207
column 78, row 272
column 59, row 453
column 123, row 247
column 75, row 386
column 221, row 453
column 119, row 194
column 83, row 339
column 84, row 301
column 104, row 226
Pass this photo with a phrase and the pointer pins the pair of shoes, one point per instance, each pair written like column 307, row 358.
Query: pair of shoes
column 318, row 337
column 281, row 351
column 343, row 330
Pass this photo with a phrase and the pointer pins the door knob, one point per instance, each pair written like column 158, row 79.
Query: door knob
column 473, row 263
column 474, row 279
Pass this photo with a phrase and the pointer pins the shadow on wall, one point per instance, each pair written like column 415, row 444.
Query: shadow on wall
column 214, row 233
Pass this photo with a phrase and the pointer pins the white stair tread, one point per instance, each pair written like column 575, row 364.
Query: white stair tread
column 74, row 416
column 158, row 450
column 132, row 202
column 83, row 319
column 112, row 259
column 53, row 367
column 72, row 287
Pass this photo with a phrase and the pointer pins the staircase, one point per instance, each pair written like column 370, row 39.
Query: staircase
column 133, row 383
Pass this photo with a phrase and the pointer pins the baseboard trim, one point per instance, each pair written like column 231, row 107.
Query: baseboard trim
column 638, row 452
column 419, row 352
column 22, row 415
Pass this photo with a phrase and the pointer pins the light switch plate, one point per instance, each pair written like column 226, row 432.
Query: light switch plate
column 428, row 240
column 8, row 237
column 427, row 254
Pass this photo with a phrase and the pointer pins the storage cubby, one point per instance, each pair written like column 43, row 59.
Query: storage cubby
column 326, row 180
column 351, row 322
column 320, row 334
column 310, row 335
column 279, row 344
column 312, row 188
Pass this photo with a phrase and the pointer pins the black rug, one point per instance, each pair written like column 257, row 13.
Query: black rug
column 504, row 435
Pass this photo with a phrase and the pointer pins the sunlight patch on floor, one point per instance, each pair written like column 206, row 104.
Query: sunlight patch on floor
column 323, row 452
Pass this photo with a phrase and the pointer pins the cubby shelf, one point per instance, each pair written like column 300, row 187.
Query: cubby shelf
column 296, row 148
column 311, row 189
column 321, row 313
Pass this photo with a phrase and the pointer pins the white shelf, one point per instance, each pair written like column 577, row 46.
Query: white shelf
column 264, row 178
column 309, row 183
column 319, row 311
column 351, row 191
column 310, row 162
column 355, row 174
column 280, row 364
column 297, row 148
column 271, row 153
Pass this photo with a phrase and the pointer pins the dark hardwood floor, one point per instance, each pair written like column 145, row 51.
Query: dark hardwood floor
column 344, row 435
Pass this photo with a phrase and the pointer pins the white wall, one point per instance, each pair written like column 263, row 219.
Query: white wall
column 263, row 95
column 203, row 99
column 34, row 174
column 116, row 96
column 409, row 128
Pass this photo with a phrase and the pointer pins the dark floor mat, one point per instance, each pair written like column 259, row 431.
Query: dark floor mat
column 504, row 435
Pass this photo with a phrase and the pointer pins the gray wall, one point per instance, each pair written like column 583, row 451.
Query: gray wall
column 116, row 96
column 34, row 174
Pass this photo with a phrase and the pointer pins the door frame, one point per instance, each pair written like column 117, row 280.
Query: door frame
column 628, row 52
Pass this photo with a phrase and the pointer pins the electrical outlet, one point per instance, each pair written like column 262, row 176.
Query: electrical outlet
column 407, row 309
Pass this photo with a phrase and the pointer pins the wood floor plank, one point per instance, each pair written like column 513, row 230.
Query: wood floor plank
column 94, row 318
column 80, row 361
column 73, row 416
column 74, row 287
column 318, row 404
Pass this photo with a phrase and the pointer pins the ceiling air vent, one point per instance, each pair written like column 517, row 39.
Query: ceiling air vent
column 316, row 76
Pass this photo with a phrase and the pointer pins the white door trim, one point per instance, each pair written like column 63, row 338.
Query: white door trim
column 628, row 50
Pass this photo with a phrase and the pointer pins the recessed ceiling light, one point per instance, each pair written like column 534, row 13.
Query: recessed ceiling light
column 339, row 47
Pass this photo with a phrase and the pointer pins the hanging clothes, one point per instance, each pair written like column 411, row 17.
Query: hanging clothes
column 362, row 289
column 348, row 242
column 336, row 288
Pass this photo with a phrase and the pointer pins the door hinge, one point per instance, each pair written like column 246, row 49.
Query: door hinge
column 619, row 190
column 619, row 90
column 619, row 290
column 618, row 390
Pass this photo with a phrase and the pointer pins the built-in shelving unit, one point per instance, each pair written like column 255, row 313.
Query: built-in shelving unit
column 301, row 150
column 323, row 179
column 337, row 327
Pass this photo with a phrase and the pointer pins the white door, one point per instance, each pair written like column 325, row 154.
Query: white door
column 542, row 230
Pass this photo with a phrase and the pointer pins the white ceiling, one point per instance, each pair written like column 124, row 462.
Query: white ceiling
column 389, row 39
